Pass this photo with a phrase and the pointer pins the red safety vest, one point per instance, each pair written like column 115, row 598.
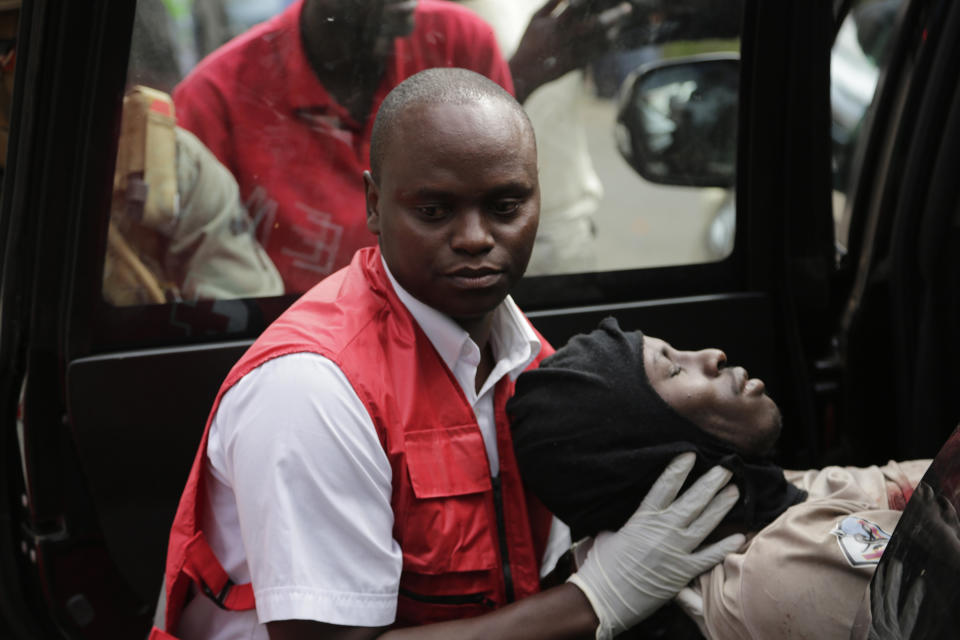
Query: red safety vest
column 470, row 543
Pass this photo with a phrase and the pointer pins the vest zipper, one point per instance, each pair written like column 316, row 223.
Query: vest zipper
column 502, row 536
column 471, row 598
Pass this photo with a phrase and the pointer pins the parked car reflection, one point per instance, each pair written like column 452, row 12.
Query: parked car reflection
column 669, row 138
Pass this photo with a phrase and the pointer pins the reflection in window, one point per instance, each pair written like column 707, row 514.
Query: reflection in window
column 247, row 183
column 177, row 228
column 677, row 124
column 859, row 53
column 597, row 214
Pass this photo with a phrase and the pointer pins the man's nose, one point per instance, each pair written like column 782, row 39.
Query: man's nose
column 471, row 233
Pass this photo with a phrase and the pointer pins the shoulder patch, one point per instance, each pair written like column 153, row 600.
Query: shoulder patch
column 862, row 542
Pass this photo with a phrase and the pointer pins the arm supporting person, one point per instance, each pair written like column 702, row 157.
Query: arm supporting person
column 626, row 576
column 561, row 612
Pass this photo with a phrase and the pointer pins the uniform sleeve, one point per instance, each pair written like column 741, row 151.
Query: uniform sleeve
column 213, row 253
column 313, row 487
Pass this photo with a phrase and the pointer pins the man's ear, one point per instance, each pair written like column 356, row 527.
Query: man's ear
column 372, row 192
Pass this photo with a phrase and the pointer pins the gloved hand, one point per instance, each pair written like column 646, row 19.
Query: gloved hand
column 630, row 573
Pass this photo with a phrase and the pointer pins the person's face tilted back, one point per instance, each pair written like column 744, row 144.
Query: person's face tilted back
column 596, row 423
column 456, row 204
column 723, row 401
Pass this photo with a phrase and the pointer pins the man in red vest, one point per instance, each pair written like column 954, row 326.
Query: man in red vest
column 357, row 476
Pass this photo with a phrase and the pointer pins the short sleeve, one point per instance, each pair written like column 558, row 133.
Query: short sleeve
column 312, row 489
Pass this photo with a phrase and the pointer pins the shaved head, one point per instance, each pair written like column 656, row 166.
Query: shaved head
column 442, row 85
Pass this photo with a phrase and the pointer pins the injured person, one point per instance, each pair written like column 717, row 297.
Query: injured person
column 595, row 425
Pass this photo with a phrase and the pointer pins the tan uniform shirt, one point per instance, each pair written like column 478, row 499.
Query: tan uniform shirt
column 208, row 251
column 214, row 252
column 804, row 575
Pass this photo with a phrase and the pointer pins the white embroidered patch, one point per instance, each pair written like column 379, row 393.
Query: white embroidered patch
column 861, row 541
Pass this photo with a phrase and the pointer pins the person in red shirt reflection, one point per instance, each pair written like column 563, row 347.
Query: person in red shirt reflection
column 288, row 107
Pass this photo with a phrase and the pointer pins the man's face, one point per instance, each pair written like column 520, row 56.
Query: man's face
column 723, row 401
column 457, row 204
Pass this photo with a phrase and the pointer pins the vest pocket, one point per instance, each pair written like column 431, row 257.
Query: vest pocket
column 443, row 523
column 447, row 462
column 417, row 609
column 469, row 598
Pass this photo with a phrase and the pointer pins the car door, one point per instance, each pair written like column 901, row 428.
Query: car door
column 902, row 258
column 900, row 261
column 104, row 403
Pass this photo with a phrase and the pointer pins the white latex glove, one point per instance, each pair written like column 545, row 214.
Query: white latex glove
column 630, row 573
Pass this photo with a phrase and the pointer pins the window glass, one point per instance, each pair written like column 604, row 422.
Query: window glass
column 859, row 53
column 238, row 168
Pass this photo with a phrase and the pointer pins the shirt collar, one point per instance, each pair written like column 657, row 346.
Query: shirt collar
column 511, row 337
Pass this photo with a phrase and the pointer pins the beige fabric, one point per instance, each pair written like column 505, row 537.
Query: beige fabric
column 207, row 251
column 126, row 279
column 147, row 151
column 791, row 579
column 213, row 252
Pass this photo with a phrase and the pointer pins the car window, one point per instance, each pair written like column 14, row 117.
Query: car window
column 234, row 169
column 859, row 55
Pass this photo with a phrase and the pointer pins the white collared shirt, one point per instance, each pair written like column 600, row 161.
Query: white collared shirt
column 514, row 344
column 299, row 487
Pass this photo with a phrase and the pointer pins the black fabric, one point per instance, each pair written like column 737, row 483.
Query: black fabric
column 592, row 436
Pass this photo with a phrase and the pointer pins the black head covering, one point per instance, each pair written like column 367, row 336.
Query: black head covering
column 592, row 436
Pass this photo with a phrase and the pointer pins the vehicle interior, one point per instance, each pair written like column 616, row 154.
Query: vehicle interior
column 808, row 225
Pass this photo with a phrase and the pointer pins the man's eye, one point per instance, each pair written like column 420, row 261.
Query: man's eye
column 505, row 207
column 676, row 370
column 432, row 211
